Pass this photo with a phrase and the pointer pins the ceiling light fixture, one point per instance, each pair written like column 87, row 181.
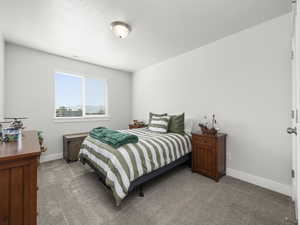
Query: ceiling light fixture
column 120, row 29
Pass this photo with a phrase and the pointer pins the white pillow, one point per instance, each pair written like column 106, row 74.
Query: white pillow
column 159, row 124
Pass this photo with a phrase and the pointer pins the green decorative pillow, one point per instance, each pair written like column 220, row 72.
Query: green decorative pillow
column 176, row 124
column 154, row 114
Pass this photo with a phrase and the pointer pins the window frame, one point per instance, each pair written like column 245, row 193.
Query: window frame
column 84, row 117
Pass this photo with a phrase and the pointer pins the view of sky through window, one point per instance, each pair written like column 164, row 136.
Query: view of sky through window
column 69, row 97
column 94, row 96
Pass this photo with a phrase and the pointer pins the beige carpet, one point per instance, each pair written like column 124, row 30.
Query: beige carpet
column 71, row 194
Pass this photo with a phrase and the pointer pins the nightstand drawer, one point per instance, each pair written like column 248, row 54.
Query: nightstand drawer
column 204, row 141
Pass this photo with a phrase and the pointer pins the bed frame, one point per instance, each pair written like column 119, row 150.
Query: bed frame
column 139, row 182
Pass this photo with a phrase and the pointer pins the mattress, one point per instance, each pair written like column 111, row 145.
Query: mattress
column 123, row 165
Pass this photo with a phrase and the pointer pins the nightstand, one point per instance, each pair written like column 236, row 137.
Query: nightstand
column 72, row 144
column 209, row 155
column 135, row 126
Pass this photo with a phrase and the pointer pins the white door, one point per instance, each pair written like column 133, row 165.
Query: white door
column 296, row 106
column 293, row 129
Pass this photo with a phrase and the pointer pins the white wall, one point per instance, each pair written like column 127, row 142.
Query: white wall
column 245, row 80
column 1, row 76
column 30, row 92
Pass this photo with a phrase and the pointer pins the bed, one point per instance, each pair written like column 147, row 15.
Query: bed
column 131, row 165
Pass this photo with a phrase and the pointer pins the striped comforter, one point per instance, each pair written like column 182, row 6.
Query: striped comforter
column 123, row 165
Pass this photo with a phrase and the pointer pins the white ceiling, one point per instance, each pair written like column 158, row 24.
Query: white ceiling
column 160, row 28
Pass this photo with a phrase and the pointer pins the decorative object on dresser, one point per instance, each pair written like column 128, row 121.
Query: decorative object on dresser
column 18, row 179
column 12, row 132
column 209, row 155
column 41, row 141
column 137, row 124
column 72, row 143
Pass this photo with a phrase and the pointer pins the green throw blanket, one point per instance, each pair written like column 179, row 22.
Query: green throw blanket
column 112, row 137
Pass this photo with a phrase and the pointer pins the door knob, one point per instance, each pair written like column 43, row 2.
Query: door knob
column 291, row 130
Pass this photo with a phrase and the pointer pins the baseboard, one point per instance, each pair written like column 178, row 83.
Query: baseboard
column 51, row 157
column 260, row 181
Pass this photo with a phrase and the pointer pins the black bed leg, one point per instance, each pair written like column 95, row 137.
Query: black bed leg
column 82, row 161
column 141, row 192
column 189, row 163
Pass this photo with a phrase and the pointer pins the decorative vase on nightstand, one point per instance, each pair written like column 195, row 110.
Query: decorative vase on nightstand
column 209, row 128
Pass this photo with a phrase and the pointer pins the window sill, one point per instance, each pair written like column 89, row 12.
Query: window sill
column 85, row 119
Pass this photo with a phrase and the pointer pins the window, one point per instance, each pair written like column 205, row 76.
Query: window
column 94, row 96
column 79, row 97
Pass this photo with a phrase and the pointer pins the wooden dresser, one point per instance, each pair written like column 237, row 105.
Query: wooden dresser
column 18, row 180
column 72, row 143
column 209, row 155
